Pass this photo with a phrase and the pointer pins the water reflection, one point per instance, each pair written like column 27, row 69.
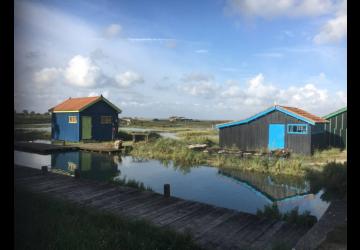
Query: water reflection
column 93, row 166
column 243, row 191
column 274, row 188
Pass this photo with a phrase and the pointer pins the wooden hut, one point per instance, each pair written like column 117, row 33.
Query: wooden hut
column 336, row 129
column 277, row 127
column 85, row 118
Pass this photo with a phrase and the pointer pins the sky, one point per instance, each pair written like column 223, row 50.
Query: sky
column 220, row 59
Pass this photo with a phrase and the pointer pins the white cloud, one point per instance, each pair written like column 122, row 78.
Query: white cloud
column 278, row 8
column 206, row 89
column 113, row 30
column 128, row 79
column 198, row 84
column 47, row 75
column 335, row 29
column 342, row 95
column 82, row 72
column 257, row 95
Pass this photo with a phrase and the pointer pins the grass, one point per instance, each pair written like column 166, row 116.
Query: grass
column 332, row 179
column 293, row 216
column 29, row 135
column 42, row 222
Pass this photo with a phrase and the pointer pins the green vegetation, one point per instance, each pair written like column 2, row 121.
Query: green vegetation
column 166, row 124
column 293, row 216
column 332, row 179
column 42, row 222
column 169, row 149
column 31, row 118
column 30, row 135
column 131, row 183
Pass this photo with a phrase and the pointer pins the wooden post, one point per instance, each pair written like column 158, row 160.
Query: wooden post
column 166, row 190
column 77, row 173
column 44, row 169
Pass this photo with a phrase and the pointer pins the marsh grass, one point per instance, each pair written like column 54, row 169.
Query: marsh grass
column 30, row 135
column 42, row 222
column 166, row 149
column 332, row 179
column 294, row 217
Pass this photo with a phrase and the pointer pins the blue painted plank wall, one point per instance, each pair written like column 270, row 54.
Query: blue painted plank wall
column 63, row 130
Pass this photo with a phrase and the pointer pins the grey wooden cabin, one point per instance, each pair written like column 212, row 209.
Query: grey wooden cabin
column 278, row 127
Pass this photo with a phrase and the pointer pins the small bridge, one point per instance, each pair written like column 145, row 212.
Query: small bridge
column 212, row 227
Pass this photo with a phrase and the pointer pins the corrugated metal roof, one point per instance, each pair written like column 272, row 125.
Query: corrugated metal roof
column 305, row 114
column 335, row 113
column 80, row 103
column 294, row 112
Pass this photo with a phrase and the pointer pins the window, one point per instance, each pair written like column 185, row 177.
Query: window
column 72, row 119
column 105, row 120
column 297, row 129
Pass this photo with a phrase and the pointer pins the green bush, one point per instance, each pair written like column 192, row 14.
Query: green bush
column 333, row 180
column 272, row 212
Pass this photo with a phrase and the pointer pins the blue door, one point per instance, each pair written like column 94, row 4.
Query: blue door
column 276, row 136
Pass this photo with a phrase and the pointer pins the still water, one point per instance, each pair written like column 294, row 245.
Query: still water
column 242, row 191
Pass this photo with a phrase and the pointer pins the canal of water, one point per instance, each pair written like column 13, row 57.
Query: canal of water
column 242, row 191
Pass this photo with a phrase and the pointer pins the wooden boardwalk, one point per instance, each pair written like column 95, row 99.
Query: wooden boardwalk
column 212, row 227
column 42, row 148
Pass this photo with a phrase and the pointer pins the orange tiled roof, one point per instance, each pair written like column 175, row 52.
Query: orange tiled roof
column 305, row 114
column 75, row 104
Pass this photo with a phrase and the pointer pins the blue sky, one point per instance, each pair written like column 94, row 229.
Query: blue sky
column 222, row 59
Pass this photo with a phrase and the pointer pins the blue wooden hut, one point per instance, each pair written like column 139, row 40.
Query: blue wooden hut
column 85, row 118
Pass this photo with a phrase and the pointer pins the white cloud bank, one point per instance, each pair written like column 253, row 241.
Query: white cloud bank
column 82, row 72
column 279, row 8
column 335, row 29
column 257, row 94
column 128, row 79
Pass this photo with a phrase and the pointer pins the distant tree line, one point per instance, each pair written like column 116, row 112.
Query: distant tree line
column 26, row 112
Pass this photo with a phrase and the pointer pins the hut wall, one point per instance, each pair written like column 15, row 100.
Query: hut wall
column 255, row 135
column 63, row 130
column 336, row 131
column 102, row 132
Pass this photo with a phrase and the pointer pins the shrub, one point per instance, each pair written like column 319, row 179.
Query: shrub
column 272, row 212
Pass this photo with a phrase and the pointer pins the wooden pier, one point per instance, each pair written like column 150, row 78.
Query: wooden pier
column 42, row 148
column 212, row 227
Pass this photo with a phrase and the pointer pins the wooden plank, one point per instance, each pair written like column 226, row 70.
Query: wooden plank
column 220, row 215
column 135, row 199
column 244, row 237
column 178, row 214
column 108, row 200
column 164, row 206
column 224, row 232
column 267, row 236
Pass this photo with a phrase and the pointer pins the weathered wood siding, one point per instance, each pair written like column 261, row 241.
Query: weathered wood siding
column 336, row 131
column 255, row 135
